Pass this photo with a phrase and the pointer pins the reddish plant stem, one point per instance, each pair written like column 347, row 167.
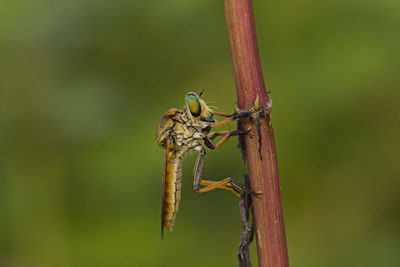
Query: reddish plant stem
column 268, row 216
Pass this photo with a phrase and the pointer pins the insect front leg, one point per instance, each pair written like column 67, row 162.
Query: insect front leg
column 222, row 114
column 231, row 118
column 227, row 135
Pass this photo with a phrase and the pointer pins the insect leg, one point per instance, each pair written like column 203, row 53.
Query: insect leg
column 215, row 134
column 222, row 114
column 224, row 122
column 227, row 183
column 227, row 135
column 231, row 118
column 197, row 175
column 227, row 187
column 199, row 169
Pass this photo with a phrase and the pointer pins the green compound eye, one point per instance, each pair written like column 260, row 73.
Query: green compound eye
column 194, row 105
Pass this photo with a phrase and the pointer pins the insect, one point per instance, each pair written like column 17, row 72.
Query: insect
column 181, row 131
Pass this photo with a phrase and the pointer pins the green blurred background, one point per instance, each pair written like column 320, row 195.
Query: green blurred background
column 84, row 83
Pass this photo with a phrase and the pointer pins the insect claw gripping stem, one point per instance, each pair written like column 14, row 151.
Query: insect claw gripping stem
column 255, row 112
column 239, row 132
column 245, row 189
column 229, row 184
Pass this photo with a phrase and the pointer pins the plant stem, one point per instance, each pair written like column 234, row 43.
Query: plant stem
column 268, row 216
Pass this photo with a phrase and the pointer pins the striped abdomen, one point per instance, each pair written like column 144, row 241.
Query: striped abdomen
column 172, row 193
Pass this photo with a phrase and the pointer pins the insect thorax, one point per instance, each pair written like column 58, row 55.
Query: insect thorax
column 184, row 132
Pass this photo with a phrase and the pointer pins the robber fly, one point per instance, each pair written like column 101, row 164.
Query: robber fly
column 181, row 131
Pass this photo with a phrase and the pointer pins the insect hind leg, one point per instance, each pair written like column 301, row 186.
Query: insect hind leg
column 227, row 187
column 228, row 184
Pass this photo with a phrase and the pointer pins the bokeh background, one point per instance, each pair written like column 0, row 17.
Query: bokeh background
column 84, row 83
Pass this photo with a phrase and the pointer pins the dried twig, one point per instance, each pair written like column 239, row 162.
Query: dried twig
column 248, row 232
